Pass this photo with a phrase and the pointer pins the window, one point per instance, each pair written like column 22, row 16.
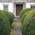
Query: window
column 29, row 0
column 5, row 1
column 6, row 7
column 33, row 7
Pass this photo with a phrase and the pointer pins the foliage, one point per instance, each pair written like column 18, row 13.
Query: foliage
column 28, row 23
column 5, row 22
column 23, row 11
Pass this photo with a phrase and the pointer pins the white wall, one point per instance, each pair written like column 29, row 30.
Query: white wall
column 28, row 5
column 1, row 6
column 10, row 7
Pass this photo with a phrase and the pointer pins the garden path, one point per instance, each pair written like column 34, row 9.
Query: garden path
column 16, row 28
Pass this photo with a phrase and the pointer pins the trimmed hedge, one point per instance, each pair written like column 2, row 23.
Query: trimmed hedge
column 28, row 23
column 23, row 14
column 6, row 19
column 23, row 11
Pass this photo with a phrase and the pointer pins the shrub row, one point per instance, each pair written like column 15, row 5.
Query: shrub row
column 28, row 22
column 6, row 19
column 22, row 13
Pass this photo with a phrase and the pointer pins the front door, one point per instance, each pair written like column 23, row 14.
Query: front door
column 18, row 9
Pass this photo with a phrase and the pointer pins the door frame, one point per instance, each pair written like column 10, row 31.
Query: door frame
column 15, row 6
column 19, row 3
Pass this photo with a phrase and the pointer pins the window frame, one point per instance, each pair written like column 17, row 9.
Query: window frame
column 6, row 7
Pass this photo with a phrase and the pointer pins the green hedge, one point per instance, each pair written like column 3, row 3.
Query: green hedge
column 23, row 13
column 28, row 23
column 6, row 19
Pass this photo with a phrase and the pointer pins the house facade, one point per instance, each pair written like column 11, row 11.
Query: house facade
column 15, row 6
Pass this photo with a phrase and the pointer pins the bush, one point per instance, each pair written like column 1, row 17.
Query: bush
column 23, row 13
column 5, row 22
column 28, row 23
column 10, row 16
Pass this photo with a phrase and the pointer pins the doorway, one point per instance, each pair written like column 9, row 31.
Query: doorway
column 19, row 7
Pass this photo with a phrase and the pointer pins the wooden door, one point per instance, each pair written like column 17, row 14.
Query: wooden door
column 18, row 9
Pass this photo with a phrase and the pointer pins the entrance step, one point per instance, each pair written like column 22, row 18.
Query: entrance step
column 17, row 18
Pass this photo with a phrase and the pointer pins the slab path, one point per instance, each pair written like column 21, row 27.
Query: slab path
column 16, row 28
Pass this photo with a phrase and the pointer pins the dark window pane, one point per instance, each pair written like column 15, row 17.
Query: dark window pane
column 33, row 7
column 6, row 7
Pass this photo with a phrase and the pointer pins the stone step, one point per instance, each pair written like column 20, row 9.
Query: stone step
column 17, row 18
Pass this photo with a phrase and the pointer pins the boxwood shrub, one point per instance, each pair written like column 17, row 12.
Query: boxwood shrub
column 29, row 23
column 6, row 19
column 23, row 13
